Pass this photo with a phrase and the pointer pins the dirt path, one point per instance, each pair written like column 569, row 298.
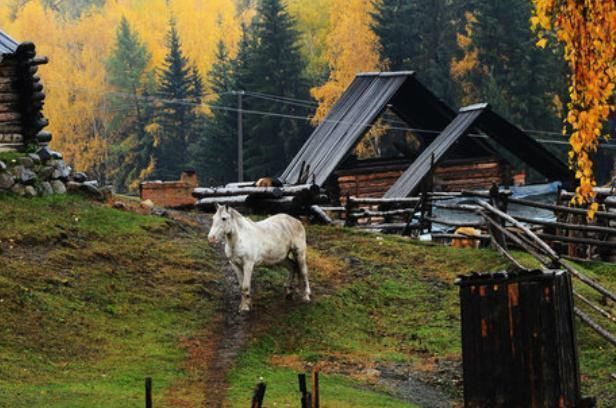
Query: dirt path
column 225, row 338
column 228, row 334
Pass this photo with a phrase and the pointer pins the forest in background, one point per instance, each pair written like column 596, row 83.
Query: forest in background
column 145, row 88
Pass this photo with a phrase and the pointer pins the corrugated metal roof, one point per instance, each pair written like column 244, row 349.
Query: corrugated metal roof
column 7, row 44
column 410, row 179
column 363, row 101
column 495, row 127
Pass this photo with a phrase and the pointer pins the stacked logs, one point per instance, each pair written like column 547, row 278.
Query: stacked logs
column 289, row 198
column 21, row 100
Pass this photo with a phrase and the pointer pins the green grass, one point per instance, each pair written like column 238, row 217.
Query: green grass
column 93, row 300
column 391, row 300
column 8, row 157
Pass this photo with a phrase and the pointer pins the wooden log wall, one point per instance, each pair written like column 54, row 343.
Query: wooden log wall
column 456, row 175
column 469, row 175
column 21, row 100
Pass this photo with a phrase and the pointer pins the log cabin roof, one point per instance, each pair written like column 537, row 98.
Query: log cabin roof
column 359, row 106
column 7, row 44
column 496, row 128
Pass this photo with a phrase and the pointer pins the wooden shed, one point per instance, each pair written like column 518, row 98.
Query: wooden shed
column 21, row 96
column 466, row 157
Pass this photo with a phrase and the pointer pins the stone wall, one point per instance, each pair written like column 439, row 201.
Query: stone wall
column 31, row 175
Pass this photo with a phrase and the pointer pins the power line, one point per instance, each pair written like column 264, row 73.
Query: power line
column 154, row 99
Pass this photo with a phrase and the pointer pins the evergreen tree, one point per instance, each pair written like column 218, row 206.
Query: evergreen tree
column 269, row 62
column 177, row 112
column 417, row 35
column 214, row 154
column 526, row 77
column 127, row 74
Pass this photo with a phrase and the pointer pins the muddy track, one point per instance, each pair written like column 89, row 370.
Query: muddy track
column 229, row 333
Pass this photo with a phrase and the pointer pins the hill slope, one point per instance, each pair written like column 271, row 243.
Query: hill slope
column 94, row 299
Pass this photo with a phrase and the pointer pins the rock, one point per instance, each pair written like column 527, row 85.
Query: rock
column 80, row 177
column 85, row 189
column 119, row 205
column 35, row 158
column 56, row 155
column 91, row 183
column 107, row 192
column 44, row 153
column 73, row 186
column 30, row 192
column 372, row 373
column 45, row 172
column 18, row 189
column 147, row 204
column 46, row 188
column 17, row 170
column 61, row 172
column 58, row 187
column 2, row 166
column 6, row 181
column 26, row 162
column 27, row 176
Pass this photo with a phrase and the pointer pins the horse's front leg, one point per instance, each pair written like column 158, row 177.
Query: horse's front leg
column 238, row 272
column 245, row 286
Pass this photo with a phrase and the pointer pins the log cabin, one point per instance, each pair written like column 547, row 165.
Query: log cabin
column 464, row 150
column 21, row 97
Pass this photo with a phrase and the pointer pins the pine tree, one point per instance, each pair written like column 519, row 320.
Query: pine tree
column 525, row 76
column 177, row 113
column 417, row 35
column 214, row 154
column 270, row 63
column 127, row 74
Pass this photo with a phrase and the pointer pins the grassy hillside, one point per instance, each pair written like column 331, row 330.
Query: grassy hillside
column 94, row 299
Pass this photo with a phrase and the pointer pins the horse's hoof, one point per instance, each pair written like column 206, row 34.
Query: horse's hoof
column 244, row 310
column 306, row 298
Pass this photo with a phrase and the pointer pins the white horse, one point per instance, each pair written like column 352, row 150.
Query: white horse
column 268, row 242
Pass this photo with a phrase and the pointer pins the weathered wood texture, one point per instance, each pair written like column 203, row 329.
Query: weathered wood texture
column 21, row 98
column 518, row 340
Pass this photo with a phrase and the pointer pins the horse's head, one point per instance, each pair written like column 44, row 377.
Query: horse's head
column 222, row 224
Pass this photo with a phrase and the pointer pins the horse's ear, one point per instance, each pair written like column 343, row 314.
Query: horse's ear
column 227, row 207
column 217, row 206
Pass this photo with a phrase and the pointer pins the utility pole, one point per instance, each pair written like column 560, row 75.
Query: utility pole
column 240, row 138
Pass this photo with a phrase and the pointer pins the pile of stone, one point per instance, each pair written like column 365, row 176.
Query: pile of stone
column 33, row 175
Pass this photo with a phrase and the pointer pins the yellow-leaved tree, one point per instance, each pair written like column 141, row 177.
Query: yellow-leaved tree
column 77, row 103
column 587, row 30
column 352, row 47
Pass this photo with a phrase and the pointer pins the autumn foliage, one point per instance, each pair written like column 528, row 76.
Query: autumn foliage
column 587, row 29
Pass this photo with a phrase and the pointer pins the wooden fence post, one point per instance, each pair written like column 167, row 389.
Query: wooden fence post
column 258, row 395
column 148, row 392
column 315, row 387
column 306, row 399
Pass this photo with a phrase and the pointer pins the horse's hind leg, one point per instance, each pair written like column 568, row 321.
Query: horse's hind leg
column 289, row 285
column 300, row 258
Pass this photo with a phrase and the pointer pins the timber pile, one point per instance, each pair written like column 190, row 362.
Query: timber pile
column 21, row 101
column 294, row 199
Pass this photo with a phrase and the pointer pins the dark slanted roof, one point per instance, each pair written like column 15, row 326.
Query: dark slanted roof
column 356, row 110
column 7, row 44
column 496, row 128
